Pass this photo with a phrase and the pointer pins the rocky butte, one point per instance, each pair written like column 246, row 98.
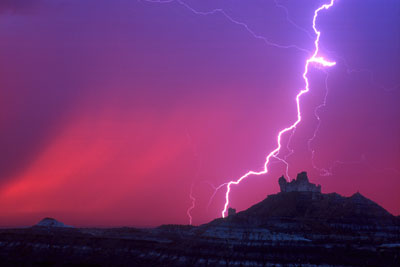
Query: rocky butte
column 301, row 184
column 299, row 226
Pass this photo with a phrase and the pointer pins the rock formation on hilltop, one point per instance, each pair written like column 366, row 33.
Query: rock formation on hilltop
column 301, row 205
column 301, row 184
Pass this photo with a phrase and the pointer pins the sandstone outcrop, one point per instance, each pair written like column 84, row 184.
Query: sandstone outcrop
column 300, row 184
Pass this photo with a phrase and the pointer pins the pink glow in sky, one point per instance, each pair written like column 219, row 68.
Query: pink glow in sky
column 111, row 110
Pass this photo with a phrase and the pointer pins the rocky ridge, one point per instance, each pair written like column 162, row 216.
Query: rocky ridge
column 50, row 222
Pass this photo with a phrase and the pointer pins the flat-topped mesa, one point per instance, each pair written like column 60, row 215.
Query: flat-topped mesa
column 300, row 184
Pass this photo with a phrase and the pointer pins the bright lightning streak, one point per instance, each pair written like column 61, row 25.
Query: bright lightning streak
column 315, row 58
column 256, row 36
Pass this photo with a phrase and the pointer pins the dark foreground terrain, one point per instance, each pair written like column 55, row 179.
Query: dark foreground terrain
column 297, row 228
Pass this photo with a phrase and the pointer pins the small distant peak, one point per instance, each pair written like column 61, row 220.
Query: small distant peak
column 358, row 196
column 50, row 222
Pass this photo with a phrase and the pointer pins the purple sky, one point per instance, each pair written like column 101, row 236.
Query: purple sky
column 111, row 109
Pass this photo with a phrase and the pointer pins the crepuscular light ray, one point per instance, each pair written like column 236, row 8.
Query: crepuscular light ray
column 315, row 58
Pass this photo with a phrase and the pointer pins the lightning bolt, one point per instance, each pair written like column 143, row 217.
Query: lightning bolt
column 238, row 23
column 199, row 163
column 193, row 200
column 216, row 189
column 286, row 165
column 328, row 171
column 314, row 59
column 256, row 36
column 323, row 171
column 279, row 5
